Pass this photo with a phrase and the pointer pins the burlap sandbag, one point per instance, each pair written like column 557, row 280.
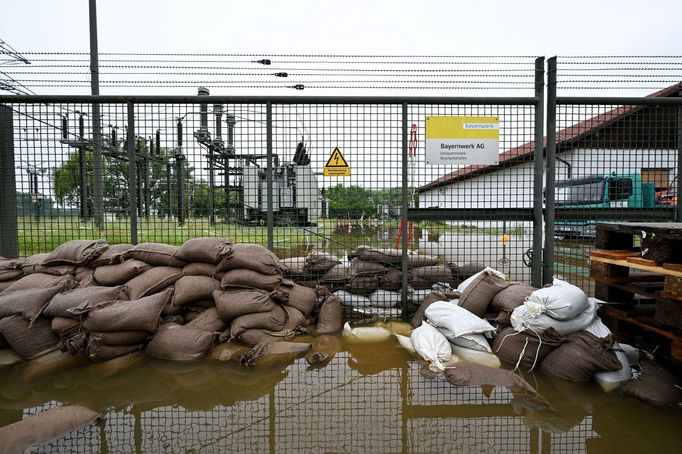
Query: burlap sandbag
column 5, row 285
column 208, row 321
column 180, row 343
column 425, row 276
column 29, row 339
column 157, row 254
column 112, row 256
column 301, row 298
column 135, row 315
column 324, row 348
column 330, row 320
column 258, row 336
column 152, row 281
column 318, row 262
column 511, row 297
column 295, row 318
column 392, row 257
column 85, row 276
column 8, row 358
column 431, row 298
column 251, row 279
column 228, row 351
column 65, row 327
column 76, row 252
column 655, row 385
column 3, row 342
column 121, row 337
column 189, row 289
column 119, row 273
column 362, row 285
column 206, row 250
column 35, row 431
column 273, row 320
column 32, row 262
column 202, row 269
column 295, row 266
column 338, row 274
column 251, row 257
column 27, row 303
column 232, row 303
column 580, row 357
column 42, row 280
column 477, row 295
column 526, row 349
column 392, row 280
column 57, row 270
column 98, row 351
column 274, row 352
column 10, row 269
column 464, row 271
column 50, row 363
column 62, row 302
column 365, row 267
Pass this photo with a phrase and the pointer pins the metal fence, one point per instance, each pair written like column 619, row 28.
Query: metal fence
column 252, row 168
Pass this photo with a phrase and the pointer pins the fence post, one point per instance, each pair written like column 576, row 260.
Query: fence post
column 9, row 240
column 536, row 265
column 403, row 214
column 132, row 173
column 97, row 163
column 679, row 164
column 268, row 175
column 550, row 179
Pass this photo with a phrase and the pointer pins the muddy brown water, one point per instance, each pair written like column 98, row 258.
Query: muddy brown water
column 368, row 398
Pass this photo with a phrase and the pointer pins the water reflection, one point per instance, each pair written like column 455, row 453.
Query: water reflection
column 365, row 398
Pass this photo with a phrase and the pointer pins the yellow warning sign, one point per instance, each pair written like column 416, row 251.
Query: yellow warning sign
column 336, row 165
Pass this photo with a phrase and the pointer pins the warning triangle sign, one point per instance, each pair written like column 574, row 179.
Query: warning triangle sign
column 336, row 165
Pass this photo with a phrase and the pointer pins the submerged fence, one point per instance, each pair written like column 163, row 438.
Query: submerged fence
column 330, row 173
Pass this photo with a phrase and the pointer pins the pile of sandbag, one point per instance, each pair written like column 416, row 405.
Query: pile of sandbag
column 174, row 302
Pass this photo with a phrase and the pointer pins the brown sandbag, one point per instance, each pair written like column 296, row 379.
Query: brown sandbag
column 511, row 297
column 119, row 273
column 207, row 250
column 98, row 351
column 135, row 315
column 121, row 337
column 362, row 285
column 301, row 298
column 426, row 276
column 259, row 336
column 157, row 254
column 76, row 252
column 10, row 269
column 58, row 270
column 48, row 425
column 323, row 349
column 50, row 363
column 655, row 385
column 392, row 257
column 180, row 343
column 274, row 352
column 208, row 320
column 338, row 274
column 8, row 357
column 294, row 266
column 318, row 262
column 85, row 277
column 251, row 257
column 360, row 267
column 330, row 320
column 62, row 302
column 29, row 339
column 295, row 318
column 202, row 269
column 42, row 280
column 274, row 320
column 471, row 374
column 3, row 342
column 28, row 303
column 193, row 288
column 65, row 327
column 152, row 281
column 525, row 348
column 251, row 279
column 431, row 298
column 464, row 271
column 477, row 296
column 32, row 262
column 232, row 303
column 228, row 351
column 580, row 357
column 112, row 256
column 116, row 365
column 392, row 280
column 5, row 285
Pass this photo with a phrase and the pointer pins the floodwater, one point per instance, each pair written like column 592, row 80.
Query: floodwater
column 368, row 398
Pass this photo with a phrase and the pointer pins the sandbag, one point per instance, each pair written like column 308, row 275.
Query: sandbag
column 10, row 269
column 385, row 298
column 3, row 342
column 324, row 348
column 259, row 336
column 32, row 262
column 655, row 385
column 62, row 302
column 457, row 320
column 232, row 303
column 116, row 365
column 525, row 349
column 425, row 276
column 365, row 334
column 360, row 267
column 28, row 303
column 119, row 273
column 418, row 316
column 85, row 276
column 251, row 279
column 42, row 280
column 65, row 327
column 338, row 274
column 29, row 339
column 301, row 298
column 478, row 293
column 98, row 351
column 5, row 285
column 469, row 355
column 252, row 257
column 473, row 341
column 193, row 288
column 432, row 346
column 521, row 320
column 113, row 255
column 511, row 297
column 330, row 319
column 76, row 252
column 121, row 337
column 561, row 301
column 469, row 374
column 392, row 257
column 135, row 315
column 38, row 430
column 202, row 269
column 51, row 363
column 487, row 270
column 295, row 318
column 152, row 281
column 273, row 352
column 612, row 380
column 464, row 271
column 157, row 254
column 180, row 343
column 598, row 328
column 228, row 351
column 362, row 285
column 392, row 280
column 294, row 266
column 580, row 357
column 273, row 320
column 208, row 321
column 318, row 262
column 57, row 270
column 350, row 300
column 8, row 357
column 206, row 250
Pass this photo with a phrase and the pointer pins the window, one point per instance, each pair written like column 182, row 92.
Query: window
column 660, row 178
column 620, row 189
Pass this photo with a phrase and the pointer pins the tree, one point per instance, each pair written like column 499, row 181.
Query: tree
column 351, row 201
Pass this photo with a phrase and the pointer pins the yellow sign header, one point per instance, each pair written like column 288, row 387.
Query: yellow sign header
column 462, row 128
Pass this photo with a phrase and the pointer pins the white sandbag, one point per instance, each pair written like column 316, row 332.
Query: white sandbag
column 461, row 287
column 431, row 345
column 475, row 356
column 365, row 334
column 472, row 341
column 598, row 328
column 522, row 320
column 456, row 319
column 612, row 380
column 406, row 343
column 351, row 300
column 561, row 301
column 385, row 298
column 631, row 353
column 382, row 312
column 417, row 296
